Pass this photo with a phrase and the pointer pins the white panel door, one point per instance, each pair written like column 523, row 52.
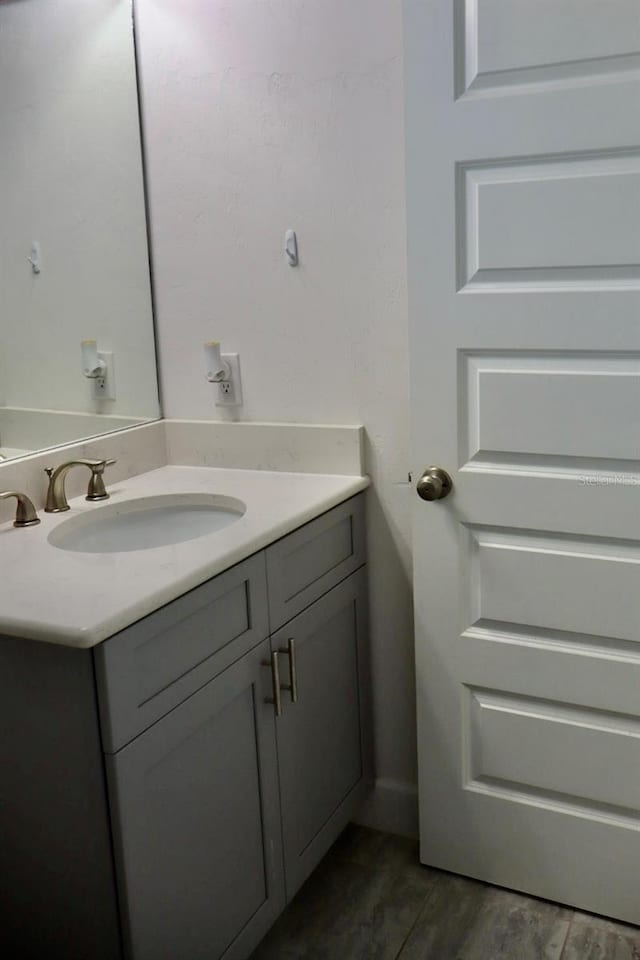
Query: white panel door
column 523, row 158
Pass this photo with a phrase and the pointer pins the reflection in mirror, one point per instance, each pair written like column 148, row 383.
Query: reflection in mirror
column 73, row 245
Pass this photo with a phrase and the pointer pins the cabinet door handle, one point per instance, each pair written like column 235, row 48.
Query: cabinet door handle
column 292, row 686
column 276, row 699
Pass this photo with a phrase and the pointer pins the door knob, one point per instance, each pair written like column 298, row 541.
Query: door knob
column 434, row 484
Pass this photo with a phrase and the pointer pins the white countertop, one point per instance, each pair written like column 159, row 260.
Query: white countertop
column 80, row 599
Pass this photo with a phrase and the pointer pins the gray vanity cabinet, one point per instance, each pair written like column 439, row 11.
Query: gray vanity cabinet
column 220, row 807
column 196, row 822
column 159, row 751
column 320, row 750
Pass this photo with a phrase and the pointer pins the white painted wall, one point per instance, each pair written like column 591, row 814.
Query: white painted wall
column 71, row 177
column 261, row 115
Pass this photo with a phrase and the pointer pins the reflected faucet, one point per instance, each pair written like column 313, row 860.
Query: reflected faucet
column 26, row 515
column 56, row 496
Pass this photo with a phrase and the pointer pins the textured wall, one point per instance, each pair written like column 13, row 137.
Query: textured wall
column 261, row 115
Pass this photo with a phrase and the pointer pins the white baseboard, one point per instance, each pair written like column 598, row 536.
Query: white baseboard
column 392, row 806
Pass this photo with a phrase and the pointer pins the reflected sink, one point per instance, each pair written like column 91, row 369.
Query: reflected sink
column 147, row 523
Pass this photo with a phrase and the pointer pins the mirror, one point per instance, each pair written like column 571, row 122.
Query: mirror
column 74, row 262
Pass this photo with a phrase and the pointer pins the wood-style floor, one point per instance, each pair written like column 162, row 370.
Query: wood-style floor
column 371, row 900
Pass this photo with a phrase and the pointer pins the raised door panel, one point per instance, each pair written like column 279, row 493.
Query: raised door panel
column 197, row 826
column 504, row 44
column 522, row 747
column 322, row 753
column 550, row 410
column 562, row 221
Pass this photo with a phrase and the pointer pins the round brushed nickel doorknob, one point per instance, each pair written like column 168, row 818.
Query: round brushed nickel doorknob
column 434, row 484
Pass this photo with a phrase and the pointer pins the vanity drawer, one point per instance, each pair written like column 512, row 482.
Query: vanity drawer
column 148, row 669
column 305, row 564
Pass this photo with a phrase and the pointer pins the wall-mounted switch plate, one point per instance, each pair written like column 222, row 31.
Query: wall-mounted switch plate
column 230, row 391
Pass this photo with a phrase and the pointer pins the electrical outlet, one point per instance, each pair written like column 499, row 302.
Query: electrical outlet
column 104, row 388
column 230, row 391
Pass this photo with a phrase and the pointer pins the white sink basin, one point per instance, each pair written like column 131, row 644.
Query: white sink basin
column 147, row 523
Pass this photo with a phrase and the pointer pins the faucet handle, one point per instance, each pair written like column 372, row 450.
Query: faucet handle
column 96, row 489
column 26, row 515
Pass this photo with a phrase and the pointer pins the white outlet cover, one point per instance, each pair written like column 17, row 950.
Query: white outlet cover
column 235, row 400
column 108, row 391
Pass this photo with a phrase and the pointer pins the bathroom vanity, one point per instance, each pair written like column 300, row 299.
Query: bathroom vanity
column 173, row 785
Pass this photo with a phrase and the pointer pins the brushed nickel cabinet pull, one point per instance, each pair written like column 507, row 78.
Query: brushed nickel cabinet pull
column 292, row 686
column 276, row 699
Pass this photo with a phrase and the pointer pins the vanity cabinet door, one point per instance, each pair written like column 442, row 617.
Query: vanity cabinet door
column 197, row 823
column 322, row 750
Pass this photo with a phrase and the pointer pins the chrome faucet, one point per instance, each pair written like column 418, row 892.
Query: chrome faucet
column 56, row 496
column 26, row 515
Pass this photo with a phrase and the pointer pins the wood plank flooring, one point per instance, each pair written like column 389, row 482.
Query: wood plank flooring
column 370, row 899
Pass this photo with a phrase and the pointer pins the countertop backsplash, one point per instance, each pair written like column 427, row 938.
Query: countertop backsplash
column 293, row 448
